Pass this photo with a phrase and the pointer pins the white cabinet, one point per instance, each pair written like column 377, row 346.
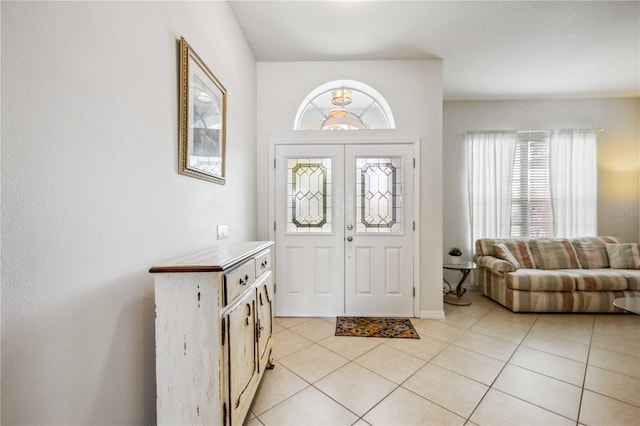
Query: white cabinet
column 214, row 312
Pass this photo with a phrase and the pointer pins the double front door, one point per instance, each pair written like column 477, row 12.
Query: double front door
column 344, row 230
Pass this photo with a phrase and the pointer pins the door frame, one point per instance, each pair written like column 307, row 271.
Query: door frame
column 350, row 141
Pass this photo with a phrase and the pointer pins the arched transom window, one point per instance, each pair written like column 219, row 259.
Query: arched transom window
column 344, row 105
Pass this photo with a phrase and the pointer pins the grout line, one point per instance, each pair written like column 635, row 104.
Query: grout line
column 586, row 368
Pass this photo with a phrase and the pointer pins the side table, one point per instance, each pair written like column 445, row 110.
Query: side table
column 457, row 297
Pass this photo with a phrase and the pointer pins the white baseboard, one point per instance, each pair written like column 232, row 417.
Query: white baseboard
column 432, row 314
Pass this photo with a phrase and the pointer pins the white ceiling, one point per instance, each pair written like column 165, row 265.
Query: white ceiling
column 490, row 50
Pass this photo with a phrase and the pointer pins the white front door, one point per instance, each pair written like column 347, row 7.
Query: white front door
column 379, row 230
column 344, row 230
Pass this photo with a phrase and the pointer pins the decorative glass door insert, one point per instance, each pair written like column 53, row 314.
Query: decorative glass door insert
column 309, row 195
column 379, row 194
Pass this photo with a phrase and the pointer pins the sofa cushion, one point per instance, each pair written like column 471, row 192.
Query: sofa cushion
column 592, row 251
column 623, row 256
column 503, row 252
column 540, row 280
column 519, row 249
column 554, row 254
column 597, row 280
column 631, row 275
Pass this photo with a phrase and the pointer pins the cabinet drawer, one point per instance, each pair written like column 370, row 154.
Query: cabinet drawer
column 263, row 262
column 237, row 281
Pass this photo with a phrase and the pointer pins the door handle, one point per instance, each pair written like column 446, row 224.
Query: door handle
column 349, row 238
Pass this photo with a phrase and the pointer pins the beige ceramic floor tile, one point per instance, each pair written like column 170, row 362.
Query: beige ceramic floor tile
column 406, row 408
column 498, row 408
column 599, row 410
column 520, row 319
column 308, row 407
column 620, row 363
column 500, row 329
column 447, row 389
column 313, row 362
column 252, row 422
column 458, row 318
column 277, row 327
column 556, row 346
column 469, row 364
column 555, row 366
column 288, row 322
column 612, row 342
column 424, row 348
column 553, row 395
column 555, row 328
column 439, row 330
column 576, row 321
column 361, row 423
column 351, row 347
column 390, row 363
column 620, row 326
column 486, row 345
column 276, row 386
column 614, row 385
column 356, row 388
column 315, row 329
column 287, row 342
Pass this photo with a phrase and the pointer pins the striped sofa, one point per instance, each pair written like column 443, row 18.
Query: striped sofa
column 558, row 275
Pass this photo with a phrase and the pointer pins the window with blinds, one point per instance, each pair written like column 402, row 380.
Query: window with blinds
column 531, row 208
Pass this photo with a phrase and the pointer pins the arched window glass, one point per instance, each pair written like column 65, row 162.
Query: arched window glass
column 344, row 105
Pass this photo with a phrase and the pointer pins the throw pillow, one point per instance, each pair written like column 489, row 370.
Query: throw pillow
column 623, row 256
column 502, row 252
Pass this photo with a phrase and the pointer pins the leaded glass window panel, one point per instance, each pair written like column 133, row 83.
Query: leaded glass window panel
column 309, row 193
column 379, row 195
column 344, row 105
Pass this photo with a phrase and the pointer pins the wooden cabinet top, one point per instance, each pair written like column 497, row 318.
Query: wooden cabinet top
column 215, row 259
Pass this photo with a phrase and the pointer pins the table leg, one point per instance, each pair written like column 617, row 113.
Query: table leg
column 458, row 297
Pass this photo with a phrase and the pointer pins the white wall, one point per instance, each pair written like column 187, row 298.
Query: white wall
column 618, row 155
column 414, row 92
column 92, row 198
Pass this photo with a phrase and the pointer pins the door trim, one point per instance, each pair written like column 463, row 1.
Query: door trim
column 335, row 141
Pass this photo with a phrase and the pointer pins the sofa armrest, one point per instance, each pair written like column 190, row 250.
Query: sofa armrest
column 495, row 265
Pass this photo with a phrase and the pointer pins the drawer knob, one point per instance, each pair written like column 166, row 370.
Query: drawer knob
column 264, row 264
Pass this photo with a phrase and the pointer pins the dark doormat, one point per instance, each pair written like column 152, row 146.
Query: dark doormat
column 375, row 327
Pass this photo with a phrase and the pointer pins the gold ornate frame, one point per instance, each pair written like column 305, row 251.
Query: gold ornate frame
column 203, row 115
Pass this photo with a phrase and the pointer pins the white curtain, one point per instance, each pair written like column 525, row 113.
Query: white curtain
column 489, row 173
column 574, row 184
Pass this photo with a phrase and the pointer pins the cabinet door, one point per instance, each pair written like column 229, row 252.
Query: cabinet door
column 264, row 301
column 240, row 353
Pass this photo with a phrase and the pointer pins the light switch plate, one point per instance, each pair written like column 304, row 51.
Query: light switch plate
column 222, row 232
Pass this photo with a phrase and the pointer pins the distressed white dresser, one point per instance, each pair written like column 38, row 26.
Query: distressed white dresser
column 214, row 312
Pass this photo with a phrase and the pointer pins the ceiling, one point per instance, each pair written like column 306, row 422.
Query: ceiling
column 490, row 50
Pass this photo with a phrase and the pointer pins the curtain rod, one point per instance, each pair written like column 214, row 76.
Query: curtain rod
column 596, row 129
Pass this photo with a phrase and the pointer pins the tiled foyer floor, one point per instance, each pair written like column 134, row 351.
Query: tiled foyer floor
column 482, row 365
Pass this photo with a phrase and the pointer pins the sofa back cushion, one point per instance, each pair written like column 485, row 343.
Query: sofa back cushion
column 592, row 251
column 518, row 248
column 623, row 256
column 554, row 254
column 503, row 252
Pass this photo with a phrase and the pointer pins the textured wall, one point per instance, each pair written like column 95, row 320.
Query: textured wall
column 92, row 198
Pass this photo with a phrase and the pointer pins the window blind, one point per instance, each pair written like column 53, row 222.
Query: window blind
column 531, row 208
